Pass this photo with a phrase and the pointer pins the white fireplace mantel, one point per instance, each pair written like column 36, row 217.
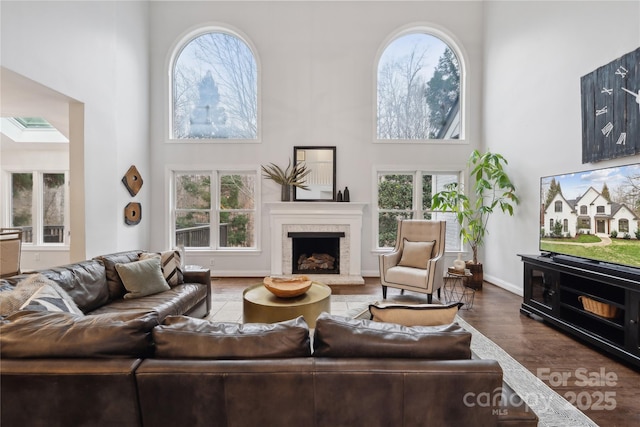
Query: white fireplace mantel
column 321, row 216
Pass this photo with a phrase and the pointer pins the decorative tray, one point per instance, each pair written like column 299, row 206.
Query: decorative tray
column 287, row 287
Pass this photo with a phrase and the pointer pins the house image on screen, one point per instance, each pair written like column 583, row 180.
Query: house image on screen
column 591, row 213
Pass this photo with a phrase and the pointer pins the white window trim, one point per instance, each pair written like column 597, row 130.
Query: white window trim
column 417, row 173
column 37, row 213
column 455, row 45
column 214, row 172
column 177, row 47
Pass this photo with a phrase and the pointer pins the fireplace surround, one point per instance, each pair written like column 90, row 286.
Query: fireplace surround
column 318, row 217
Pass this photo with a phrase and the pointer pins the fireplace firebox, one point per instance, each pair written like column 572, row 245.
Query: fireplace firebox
column 316, row 252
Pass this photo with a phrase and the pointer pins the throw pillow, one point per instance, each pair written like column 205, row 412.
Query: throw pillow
column 415, row 315
column 416, row 254
column 142, row 278
column 47, row 298
column 171, row 264
column 337, row 336
column 13, row 300
column 188, row 337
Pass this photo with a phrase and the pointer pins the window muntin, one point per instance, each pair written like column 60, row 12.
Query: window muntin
column 215, row 89
column 398, row 197
column 215, row 209
column 418, row 89
column 39, row 206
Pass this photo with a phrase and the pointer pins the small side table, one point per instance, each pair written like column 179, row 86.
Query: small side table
column 456, row 289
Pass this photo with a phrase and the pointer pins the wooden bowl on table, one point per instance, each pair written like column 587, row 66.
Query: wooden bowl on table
column 287, row 287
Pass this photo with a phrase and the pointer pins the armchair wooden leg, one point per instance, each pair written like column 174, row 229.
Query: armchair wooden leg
column 384, row 292
column 429, row 298
column 439, row 292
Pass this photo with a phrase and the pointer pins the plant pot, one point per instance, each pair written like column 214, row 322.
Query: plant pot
column 477, row 276
column 285, row 193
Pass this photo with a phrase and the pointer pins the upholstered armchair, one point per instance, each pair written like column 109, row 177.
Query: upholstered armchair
column 417, row 260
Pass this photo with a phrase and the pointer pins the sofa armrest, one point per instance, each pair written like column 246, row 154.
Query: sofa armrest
column 197, row 275
column 202, row 276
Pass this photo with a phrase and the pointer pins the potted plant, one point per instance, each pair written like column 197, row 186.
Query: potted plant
column 492, row 189
column 292, row 176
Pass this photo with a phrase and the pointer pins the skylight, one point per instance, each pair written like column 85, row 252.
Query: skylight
column 33, row 122
column 30, row 129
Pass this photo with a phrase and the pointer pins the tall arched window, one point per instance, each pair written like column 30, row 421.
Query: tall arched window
column 418, row 89
column 215, row 89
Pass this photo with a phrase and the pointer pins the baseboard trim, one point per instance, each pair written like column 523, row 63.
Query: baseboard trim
column 514, row 289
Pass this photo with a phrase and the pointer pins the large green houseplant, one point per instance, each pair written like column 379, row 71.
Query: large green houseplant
column 292, row 176
column 492, row 189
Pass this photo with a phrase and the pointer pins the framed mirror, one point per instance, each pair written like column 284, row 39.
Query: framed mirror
column 321, row 161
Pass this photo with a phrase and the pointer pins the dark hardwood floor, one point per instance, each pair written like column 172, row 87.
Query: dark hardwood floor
column 605, row 389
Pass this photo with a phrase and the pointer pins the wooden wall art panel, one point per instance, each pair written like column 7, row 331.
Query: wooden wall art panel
column 133, row 213
column 611, row 109
column 132, row 180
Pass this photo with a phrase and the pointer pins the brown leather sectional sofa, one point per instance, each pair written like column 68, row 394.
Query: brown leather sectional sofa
column 151, row 366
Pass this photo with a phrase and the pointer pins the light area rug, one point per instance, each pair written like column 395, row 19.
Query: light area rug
column 552, row 409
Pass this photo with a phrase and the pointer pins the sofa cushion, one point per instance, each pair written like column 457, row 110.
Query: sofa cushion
column 337, row 336
column 141, row 278
column 114, row 283
column 186, row 337
column 171, row 265
column 181, row 299
column 49, row 334
column 85, row 282
column 50, row 297
column 416, row 254
column 415, row 315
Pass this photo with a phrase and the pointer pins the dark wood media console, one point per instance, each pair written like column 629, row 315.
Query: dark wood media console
column 554, row 289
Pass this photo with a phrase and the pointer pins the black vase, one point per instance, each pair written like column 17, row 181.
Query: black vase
column 346, row 194
column 339, row 197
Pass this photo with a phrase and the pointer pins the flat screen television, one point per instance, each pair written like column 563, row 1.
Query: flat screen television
column 593, row 218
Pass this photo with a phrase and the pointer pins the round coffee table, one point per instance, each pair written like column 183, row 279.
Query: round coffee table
column 259, row 305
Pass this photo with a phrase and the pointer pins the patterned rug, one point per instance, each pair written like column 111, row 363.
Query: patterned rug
column 552, row 409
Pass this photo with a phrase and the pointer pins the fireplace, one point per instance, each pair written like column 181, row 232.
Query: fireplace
column 345, row 219
column 315, row 252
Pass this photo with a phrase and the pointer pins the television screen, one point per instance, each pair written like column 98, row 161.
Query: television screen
column 592, row 215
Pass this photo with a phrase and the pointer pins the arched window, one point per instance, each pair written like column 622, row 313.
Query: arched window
column 418, row 89
column 214, row 89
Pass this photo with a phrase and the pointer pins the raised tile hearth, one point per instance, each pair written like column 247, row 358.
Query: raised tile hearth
column 296, row 217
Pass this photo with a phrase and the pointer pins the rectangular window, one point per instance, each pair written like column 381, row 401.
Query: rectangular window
column 623, row 226
column 558, row 206
column 39, row 206
column 407, row 194
column 215, row 209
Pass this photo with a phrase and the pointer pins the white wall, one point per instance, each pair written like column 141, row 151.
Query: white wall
column 97, row 53
column 535, row 53
column 317, row 63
